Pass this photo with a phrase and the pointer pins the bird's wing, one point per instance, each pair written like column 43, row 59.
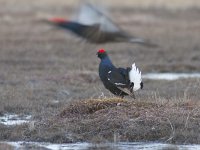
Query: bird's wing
column 127, row 91
column 116, row 77
column 87, row 15
column 90, row 14
column 93, row 34
column 125, row 73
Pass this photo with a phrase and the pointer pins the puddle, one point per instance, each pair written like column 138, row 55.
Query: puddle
column 14, row 119
column 88, row 146
column 155, row 146
column 170, row 76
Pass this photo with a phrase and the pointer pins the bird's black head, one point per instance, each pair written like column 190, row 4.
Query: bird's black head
column 101, row 53
column 75, row 27
column 57, row 21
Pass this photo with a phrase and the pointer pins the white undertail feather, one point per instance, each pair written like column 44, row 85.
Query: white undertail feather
column 135, row 77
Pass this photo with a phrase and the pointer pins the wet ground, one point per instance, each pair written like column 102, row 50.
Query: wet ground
column 107, row 146
column 13, row 119
column 42, row 68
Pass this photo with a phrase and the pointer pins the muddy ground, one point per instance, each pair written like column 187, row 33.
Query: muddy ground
column 43, row 70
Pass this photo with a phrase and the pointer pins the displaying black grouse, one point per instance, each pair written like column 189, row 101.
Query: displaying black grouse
column 93, row 25
column 119, row 81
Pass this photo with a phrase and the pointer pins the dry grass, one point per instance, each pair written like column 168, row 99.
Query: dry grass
column 6, row 146
column 100, row 120
column 50, row 75
column 90, row 106
column 172, row 4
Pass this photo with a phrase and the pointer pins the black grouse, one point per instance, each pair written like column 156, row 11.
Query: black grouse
column 93, row 25
column 119, row 81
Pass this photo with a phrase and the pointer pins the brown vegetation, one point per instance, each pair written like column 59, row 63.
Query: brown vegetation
column 113, row 119
column 121, row 120
column 6, row 146
column 52, row 76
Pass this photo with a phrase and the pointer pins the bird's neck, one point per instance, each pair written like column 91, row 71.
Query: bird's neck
column 106, row 61
column 73, row 26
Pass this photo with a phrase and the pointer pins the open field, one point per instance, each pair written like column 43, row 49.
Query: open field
column 44, row 71
column 171, row 4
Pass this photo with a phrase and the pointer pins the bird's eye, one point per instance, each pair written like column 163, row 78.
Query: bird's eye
column 141, row 85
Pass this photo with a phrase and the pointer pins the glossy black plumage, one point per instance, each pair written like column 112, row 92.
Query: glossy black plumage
column 116, row 80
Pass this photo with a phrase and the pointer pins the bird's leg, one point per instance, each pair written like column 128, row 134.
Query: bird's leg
column 121, row 96
column 141, row 85
column 133, row 95
column 131, row 87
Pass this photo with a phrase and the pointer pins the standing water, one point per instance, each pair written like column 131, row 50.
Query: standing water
column 117, row 146
column 170, row 76
column 14, row 119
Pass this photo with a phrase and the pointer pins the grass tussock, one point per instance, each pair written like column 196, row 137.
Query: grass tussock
column 92, row 105
column 113, row 120
column 100, row 120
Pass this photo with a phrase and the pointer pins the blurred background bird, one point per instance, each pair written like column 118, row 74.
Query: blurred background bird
column 93, row 24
